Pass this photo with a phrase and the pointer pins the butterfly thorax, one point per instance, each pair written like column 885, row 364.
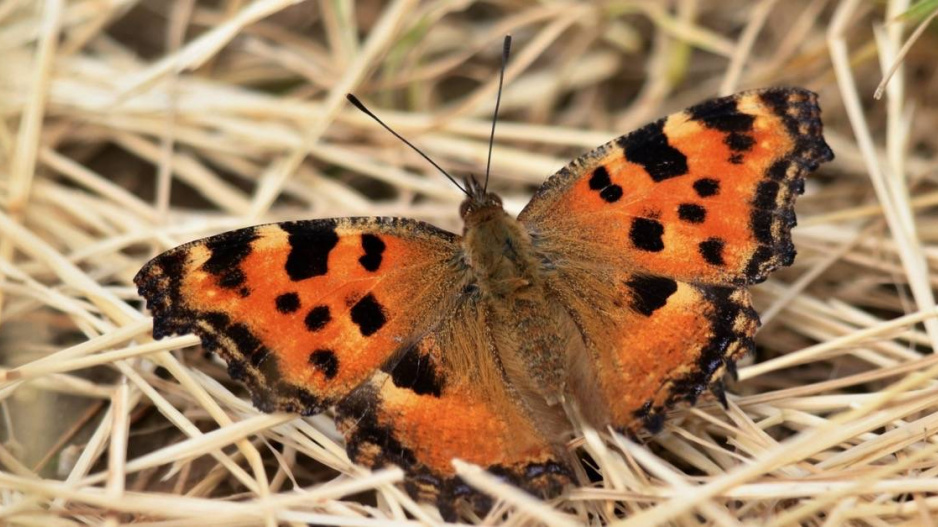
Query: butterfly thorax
column 499, row 253
column 506, row 269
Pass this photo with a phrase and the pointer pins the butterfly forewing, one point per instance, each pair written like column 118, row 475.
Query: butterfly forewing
column 305, row 311
column 704, row 195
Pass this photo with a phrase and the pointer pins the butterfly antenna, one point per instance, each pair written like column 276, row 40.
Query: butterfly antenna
column 358, row 104
column 506, row 49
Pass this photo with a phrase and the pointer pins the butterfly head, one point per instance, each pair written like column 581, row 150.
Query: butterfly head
column 479, row 203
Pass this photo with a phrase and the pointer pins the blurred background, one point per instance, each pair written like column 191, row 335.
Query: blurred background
column 128, row 127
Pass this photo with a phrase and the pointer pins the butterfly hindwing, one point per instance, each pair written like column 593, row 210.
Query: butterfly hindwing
column 704, row 195
column 653, row 341
column 426, row 409
column 303, row 312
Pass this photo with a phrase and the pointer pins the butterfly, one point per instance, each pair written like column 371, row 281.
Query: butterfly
column 617, row 293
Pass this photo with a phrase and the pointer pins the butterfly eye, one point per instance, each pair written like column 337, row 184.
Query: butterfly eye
column 464, row 209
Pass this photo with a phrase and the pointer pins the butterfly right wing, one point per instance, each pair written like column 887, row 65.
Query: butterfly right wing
column 447, row 397
column 705, row 195
column 652, row 237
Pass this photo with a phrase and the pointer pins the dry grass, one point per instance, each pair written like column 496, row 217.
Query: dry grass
column 129, row 127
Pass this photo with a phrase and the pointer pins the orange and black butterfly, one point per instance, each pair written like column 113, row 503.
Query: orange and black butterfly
column 620, row 290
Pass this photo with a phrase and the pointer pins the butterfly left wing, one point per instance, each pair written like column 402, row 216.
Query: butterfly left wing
column 447, row 397
column 649, row 239
column 368, row 314
column 304, row 312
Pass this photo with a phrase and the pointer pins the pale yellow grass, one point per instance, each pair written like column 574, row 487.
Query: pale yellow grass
column 129, row 127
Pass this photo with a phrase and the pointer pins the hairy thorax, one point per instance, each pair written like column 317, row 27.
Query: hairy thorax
column 530, row 340
column 501, row 256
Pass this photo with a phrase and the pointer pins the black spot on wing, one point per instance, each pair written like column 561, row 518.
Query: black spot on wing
column 766, row 194
column 691, row 213
column 317, row 318
column 706, row 187
column 648, row 147
column 309, row 249
column 722, row 114
column 760, row 221
column 374, row 251
column 712, row 251
column 646, row 234
column 739, row 142
column 227, row 250
column 226, row 253
column 288, row 303
column 611, row 194
column 602, row 183
column 325, row 361
column 369, row 315
column 600, row 179
column 650, row 293
column 417, row 373
column 779, row 170
column 232, row 278
column 243, row 339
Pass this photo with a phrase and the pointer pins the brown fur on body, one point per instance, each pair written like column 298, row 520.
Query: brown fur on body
column 533, row 336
